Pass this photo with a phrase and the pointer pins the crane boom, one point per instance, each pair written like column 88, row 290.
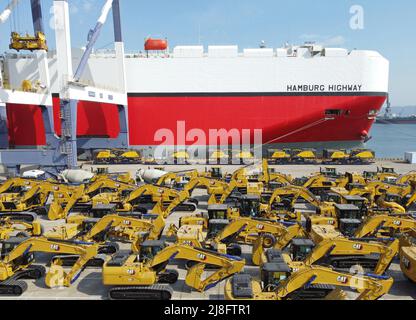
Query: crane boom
column 5, row 15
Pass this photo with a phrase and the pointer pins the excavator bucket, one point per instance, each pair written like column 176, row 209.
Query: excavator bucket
column 194, row 277
column 55, row 276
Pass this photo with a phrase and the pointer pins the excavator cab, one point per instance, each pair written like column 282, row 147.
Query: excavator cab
column 217, row 211
column 273, row 273
column 331, row 197
column 12, row 243
column 301, row 248
column 369, row 175
column 150, row 248
column 349, row 218
column 357, row 201
column 351, row 186
column 215, row 226
column 330, row 172
column 391, row 197
column 216, row 172
column 388, row 170
column 249, row 205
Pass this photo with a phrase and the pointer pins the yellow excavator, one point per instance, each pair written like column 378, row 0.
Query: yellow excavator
column 18, row 257
column 117, row 157
column 279, row 156
column 362, row 156
column 224, row 236
column 159, row 198
column 313, row 282
column 406, row 178
column 19, row 225
column 278, row 241
column 385, row 225
column 36, row 195
column 383, row 174
column 341, row 253
column 113, row 226
column 144, row 276
column 408, row 255
column 284, row 200
column 303, row 156
column 331, row 156
column 345, row 222
column 17, row 194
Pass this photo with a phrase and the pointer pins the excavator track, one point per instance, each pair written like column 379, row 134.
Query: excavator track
column 168, row 277
column 20, row 216
column 368, row 262
column 186, row 207
column 156, row 292
column 314, row 292
column 12, row 287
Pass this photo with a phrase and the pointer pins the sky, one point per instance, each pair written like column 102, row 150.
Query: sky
column 387, row 26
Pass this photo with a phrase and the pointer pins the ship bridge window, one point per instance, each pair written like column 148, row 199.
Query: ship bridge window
column 333, row 112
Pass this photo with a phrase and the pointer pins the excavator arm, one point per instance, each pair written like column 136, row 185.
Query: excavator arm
column 296, row 192
column 395, row 207
column 249, row 229
column 61, row 207
column 268, row 177
column 154, row 228
column 370, row 287
column 373, row 224
column 227, row 265
column 181, row 197
column 212, row 185
column 343, row 246
column 267, row 241
column 108, row 184
column 411, row 200
column 85, row 251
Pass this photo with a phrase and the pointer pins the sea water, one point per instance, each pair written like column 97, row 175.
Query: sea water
column 392, row 140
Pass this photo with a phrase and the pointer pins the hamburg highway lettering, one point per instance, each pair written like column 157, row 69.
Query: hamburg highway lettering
column 325, row 88
column 199, row 143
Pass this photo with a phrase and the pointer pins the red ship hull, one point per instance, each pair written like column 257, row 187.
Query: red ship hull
column 284, row 119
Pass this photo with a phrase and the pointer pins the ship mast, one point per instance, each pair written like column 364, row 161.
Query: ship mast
column 388, row 113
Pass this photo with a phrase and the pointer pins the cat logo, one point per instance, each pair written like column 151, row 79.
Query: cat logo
column 131, row 272
column 127, row 222
column 55, row 247
column 260, row 226
column 201, row 256
column 357, row 246
column 342, row 279
column 397, row 222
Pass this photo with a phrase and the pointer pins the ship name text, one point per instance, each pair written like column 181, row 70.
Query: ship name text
column 325, row 88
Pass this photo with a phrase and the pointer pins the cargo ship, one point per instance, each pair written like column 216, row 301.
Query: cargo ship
column 390, row 118
column 298, row 96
